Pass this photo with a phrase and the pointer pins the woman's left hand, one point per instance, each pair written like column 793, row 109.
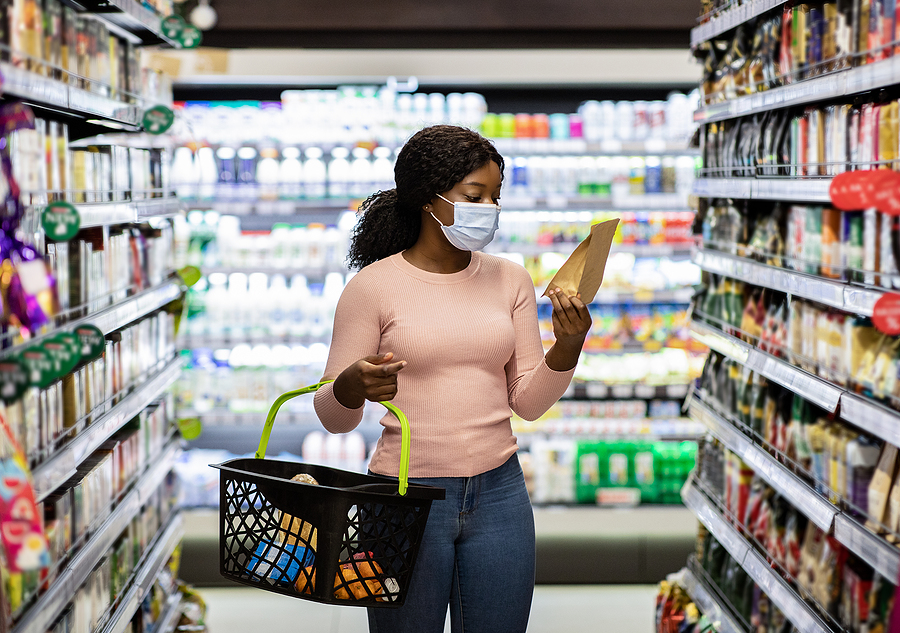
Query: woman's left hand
column 571, row 318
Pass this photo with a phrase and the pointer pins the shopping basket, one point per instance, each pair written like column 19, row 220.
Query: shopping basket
column 352, row 539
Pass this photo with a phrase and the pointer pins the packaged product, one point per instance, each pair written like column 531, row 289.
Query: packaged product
column 881, row 602
column 810, row 554
column 880, row 487
column 826, row 587
column 831, row 243
column 862, row 460
column 840, row 438
column 820, row 445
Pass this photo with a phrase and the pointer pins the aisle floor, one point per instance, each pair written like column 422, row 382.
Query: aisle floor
column 556, row 609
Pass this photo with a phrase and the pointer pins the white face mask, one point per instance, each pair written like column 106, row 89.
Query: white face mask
column 474, row 224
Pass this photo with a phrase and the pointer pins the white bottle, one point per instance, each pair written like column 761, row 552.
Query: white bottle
column 281, row 247
column 278, row 304
column 208, row 173
column 298, row 305
column 314, row 174
column 383, row 169
column 216, row 301
column 290, row 174
column 267, row 171
column 258, row 306
column 299, row 247
column 316, row 246
column 237, row 309
column 339, row 173
column 361, row 174
column 334, row 254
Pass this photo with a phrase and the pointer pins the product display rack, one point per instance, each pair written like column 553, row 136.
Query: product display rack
column 51, row 604
column 114, row 317
column 606, row 147
column 849, row 81
column 844, row 296
column 94, row 214
column 759, row 570
column 728, row 18
column 130, row 15
column 709, row 601
column 864, row 413
column 56, row 470
column 154, row 561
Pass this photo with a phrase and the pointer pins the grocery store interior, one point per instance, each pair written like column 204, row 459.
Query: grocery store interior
column 183, row 180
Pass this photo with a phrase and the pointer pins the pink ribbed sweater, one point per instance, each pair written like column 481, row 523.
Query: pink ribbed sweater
column 473, row 352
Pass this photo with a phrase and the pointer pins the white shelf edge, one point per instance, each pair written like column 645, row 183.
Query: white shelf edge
column 810, row 190
column 730, row 19
column 836, row 294
column 801, row 496
column 797, row 380
column 709, row 605
column 146, row 575
column 756, row 567
column 40, row 617
column 881, row 555
column 103, row 213
column 871, row 417
column 28, row 85
column 56, row 470
column 113, row 317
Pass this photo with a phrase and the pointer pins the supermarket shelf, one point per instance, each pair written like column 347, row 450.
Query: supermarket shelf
column 791, row 487
column 170, row 616
column 114, row 317
column 824, row 88
column 638, row 250
column 786, row 189
column 729, row 19
column 144, row 578
column 108, row 213
column 608, row 147
column 881, row 555
column 814, row 389
column 602, row 391
column 837, row 294
column 680, row 428
column 40, row 617
column 709, row 604
column 269, row 270
column 55, row 94
column 131, row 16
column 56, row 470
column 866, row 414
column 755, row 565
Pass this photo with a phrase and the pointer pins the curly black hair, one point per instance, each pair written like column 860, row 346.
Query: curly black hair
column 433, row 160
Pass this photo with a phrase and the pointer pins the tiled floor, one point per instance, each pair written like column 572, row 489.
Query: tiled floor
column 556, row 609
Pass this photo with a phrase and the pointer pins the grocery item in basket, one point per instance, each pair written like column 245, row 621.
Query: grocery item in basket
column 279, row 562
column 292, row 526
column 355, row 580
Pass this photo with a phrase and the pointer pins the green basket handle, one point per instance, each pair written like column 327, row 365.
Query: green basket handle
column 404, row 430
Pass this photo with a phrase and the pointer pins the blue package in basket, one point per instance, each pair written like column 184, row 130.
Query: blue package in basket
column 277, row 562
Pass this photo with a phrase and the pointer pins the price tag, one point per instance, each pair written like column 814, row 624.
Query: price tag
column 39, row 367
column 92, row 341
column 190, row 37
column 172, row 26
column 13, row 380
column 886, row 314
column 60, row 221
column 158, row 119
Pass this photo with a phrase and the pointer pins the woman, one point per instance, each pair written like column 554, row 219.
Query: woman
column 451, row 336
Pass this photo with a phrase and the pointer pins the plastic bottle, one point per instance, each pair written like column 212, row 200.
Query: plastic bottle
column 258, row 304
column 383, row 169
column 281, row 247
column 338, row 173
column 361, row 174
column 208, row 173
column 290, row 174
column 653, row 177
column 227, row 172
column 297, row 300
column 637, row 175
column 238, row 313
column 277, row 302
column 216, row 300
column 316, row 246
column 587, row 176
column 267, row 174
column 314, row 174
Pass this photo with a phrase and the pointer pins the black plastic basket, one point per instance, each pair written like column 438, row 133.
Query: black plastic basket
column 358, row 533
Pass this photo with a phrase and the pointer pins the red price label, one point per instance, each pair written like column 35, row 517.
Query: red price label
column 855, row 190
column 886, row 314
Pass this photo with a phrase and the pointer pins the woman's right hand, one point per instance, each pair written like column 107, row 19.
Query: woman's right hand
column 372, row 378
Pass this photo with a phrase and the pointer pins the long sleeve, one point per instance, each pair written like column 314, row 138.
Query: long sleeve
column 533, row 386
column 357, row 334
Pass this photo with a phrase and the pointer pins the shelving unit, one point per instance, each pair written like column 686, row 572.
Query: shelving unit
column 778, row 590
column 786, row 189
column 730, row 18
column 865, row 414
column 130, row 15
column 708, row 602
column 837, row 294
column 841, row 83
column 56, row 470
column 114, row 317
column 607, row 147
column 40, row 617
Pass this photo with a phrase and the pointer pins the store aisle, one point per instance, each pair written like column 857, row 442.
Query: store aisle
column 556, row 609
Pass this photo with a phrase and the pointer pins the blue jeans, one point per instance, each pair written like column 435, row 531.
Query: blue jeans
column 477, row 555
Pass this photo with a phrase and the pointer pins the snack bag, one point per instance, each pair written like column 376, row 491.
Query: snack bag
column 583, row 271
